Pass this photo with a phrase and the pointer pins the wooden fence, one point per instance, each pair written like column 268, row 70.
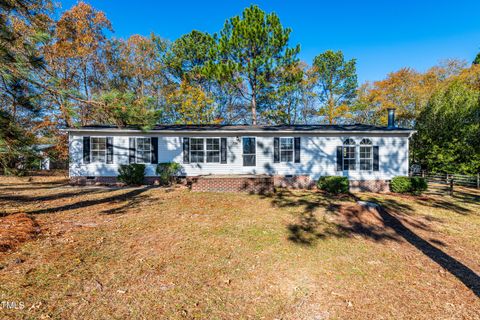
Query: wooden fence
column 451, row 179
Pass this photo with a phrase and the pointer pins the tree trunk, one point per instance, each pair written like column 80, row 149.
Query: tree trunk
column 66, row 116
column 331, row 111
column 253, row 85
column 254, row 110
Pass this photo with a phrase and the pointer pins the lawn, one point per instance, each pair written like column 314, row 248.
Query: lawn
column 146, row 253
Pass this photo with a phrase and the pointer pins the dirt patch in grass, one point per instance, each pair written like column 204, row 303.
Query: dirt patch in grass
column 16, row 229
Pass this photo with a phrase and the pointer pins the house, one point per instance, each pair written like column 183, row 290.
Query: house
column 296, row 155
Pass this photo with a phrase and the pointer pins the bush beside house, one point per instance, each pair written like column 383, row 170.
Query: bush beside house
column 167, row 171
column 415, row 185
column 419, row 185
column 333, row 184
column 132, row 174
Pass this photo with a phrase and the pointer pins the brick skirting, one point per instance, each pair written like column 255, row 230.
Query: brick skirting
column 84, row 181
column 369, row 185
column 296, row 182
column 250, row 184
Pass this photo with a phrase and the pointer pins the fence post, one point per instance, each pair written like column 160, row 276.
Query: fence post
column 423, row 173
column 478, row 180
column 451, row 186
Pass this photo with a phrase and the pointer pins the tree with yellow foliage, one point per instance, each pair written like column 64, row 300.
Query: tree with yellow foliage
column 405, row 90
column 75, row 62
column 189, row 104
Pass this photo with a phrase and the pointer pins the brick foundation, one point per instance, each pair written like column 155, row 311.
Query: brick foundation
column 370, row 185
column 296, row 182
column 250, row 184
column 83, row 181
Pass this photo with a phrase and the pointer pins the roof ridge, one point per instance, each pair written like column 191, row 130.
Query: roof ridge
column 246, row 128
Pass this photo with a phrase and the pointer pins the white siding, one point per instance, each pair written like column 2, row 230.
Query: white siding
column 318, row 156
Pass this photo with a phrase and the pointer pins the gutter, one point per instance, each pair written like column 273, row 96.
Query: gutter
column 110, row 130
column 412, row 132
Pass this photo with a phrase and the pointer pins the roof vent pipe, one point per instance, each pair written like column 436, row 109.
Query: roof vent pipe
column 391, row 118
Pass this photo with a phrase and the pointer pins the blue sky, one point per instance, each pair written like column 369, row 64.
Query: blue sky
column 383, row 36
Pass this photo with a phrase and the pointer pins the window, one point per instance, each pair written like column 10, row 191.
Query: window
column 98, row 147
column 143, row 150
column 213, row 149
column 197, row 150
column 204, row 150
column 286, row 149
column 349, row 159
column 366, row 154
column 249, row 149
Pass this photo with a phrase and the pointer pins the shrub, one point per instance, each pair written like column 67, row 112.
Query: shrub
column 333, row 184
column 133, row 173
column 401, row 184
column 167, row 172
column 419, row 185
column 415, row 185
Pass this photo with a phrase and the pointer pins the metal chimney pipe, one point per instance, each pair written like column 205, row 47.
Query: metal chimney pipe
column 391, row 118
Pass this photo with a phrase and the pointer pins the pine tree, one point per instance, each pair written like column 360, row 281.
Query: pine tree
column 250, row 49
column 477, row 59
column 23, row 28
column 337, row 83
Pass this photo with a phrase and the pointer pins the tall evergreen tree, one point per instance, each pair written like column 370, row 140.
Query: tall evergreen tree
column 189, row 54
column 336, row 81
column 24, row 26
column 477, row 59
column 250, row 49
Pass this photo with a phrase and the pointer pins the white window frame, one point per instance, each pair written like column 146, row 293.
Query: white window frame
column 280, row 149
column 190, row 151
column 98, row 150
column 149, row 150
column 205, row 149
column 366, row 143
column 249, row 154
column 349, row 159
column 212, row 150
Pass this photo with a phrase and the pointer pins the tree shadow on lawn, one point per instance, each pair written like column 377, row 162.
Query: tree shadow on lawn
column 455, row 267
column 59, row 182
column 443, row 204
column 433, row 200
column 34, row 185
column 132, row 201
column 132, row 196
column 436, row 194
column 389, row 222
column 51, row 197
column 342, row 217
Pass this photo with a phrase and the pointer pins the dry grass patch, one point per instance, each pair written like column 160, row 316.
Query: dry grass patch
column 16, row 228
column 145, row 253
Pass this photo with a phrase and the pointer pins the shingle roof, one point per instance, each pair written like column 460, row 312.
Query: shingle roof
column 247, row 128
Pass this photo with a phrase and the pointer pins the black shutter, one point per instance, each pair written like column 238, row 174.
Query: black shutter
column 340, row 158
column 223, row 150
column 131, row 151
column 276, row 151
column 375, row 159
column 109, row 150
column 86, row 149
column 186, row 150
column 297, row 149
column 154, row 149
